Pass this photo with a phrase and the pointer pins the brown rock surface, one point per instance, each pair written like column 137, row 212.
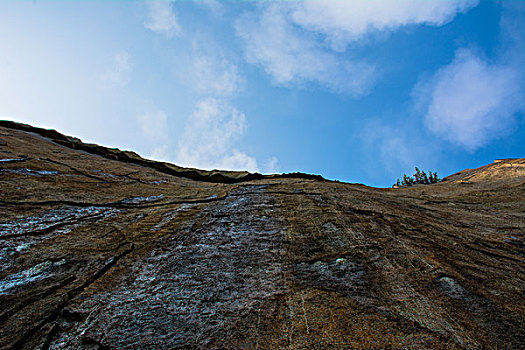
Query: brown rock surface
column 100, row 248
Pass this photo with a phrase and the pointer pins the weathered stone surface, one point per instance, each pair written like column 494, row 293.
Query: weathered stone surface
column 100, row 248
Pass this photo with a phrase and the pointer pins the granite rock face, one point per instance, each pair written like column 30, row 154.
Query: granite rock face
column 101, row 249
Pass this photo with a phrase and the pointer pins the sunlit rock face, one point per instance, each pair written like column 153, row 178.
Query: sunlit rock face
column 100, row 248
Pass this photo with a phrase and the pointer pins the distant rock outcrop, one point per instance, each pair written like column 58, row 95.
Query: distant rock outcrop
column 502, row 170
column 102, row 249
column 134, row 158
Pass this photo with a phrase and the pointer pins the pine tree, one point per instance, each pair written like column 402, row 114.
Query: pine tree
column 419, row 177
column 406, row 180
column 426, row 181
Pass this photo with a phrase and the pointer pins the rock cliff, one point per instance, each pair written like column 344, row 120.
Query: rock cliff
column 100, row 248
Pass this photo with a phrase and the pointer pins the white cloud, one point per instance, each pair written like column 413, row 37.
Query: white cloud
column 292, row 56
column 271, row 165
column 215, row 6
column 120, row 71
column 209, row 74
column 154, row 129
column 237, row 160
column 161, row 153
column 209, row 135
column 471, row 101
column 397, row 149
column 343, row 21
column 154, row 125
column 161, row 18
column 287, row 39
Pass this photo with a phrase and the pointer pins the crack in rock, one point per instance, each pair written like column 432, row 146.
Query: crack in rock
column 140, row 200
column 14, row 160
column 34, row 273
column 17, row 236
column 31, row 172
column 48, row 219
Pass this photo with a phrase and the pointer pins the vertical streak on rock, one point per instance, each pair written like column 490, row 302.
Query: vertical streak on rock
column 210, row 286
column 304, row 314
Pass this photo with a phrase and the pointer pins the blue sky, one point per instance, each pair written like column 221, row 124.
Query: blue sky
column 352, row 90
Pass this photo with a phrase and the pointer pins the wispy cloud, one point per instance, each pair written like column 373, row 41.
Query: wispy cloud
column 209, row 136
column 154, row 125
column 120, row 70
column 215, row 6
column 397, row 149
column 473, row 100
column 215, row 127
column 271, row 165
column 154, row 131
column 288, row 39
column 343, row 21
column 213, row 75
column 162, row 153
column 291, row 56
column 161, row 18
